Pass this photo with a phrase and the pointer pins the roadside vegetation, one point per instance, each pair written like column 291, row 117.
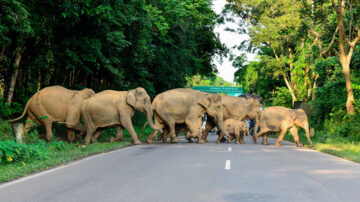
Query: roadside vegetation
column 18, row 160
column 307, row 51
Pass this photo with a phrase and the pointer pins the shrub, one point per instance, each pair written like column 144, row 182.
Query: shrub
column 11, row 152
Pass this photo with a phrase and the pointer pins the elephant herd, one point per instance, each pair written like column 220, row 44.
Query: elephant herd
column 173, row 110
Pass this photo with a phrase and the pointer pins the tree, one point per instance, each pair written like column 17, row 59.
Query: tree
column 346, row 46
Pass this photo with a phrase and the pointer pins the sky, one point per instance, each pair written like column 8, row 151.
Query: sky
column 225, row 69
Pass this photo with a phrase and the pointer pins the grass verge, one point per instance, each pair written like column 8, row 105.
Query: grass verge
column 55, row 152
column 336, row 146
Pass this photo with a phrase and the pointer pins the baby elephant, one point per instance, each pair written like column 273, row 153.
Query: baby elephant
column 280, row 119
column 236, row 128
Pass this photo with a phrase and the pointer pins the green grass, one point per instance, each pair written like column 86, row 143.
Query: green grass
column 59, row 156
column 337, row 146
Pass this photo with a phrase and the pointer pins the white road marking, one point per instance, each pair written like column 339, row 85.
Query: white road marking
column 229, row 149
column 227, row 165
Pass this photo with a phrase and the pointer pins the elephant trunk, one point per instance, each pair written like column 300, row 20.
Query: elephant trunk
column 149, row 117
column 306, row 127
column 220, row 125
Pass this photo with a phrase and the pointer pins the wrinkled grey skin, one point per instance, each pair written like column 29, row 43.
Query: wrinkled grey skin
column 183, row 105
column 280, row 119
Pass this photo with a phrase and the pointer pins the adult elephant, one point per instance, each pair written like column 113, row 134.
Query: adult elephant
column 237, row 108
column 280, row 119
column 183, row 105
column 56, row 104
column 115, row 108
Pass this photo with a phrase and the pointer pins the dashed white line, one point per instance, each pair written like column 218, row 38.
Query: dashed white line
column 229, row 149
column 227, row 165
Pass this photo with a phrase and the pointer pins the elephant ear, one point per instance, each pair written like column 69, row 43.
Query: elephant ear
column 293, row 115
column 205, row 101
column 131, row 97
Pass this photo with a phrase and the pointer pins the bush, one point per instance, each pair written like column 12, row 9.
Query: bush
column 281, row 97
column 12, row 152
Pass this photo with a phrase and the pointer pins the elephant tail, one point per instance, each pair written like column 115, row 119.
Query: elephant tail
column 140, row 135
column 24, row 112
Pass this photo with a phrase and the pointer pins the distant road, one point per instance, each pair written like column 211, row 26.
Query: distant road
column 195, row 172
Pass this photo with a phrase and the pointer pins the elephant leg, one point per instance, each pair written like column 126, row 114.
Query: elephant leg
column 237, row 138
column 48, row 127
column 171, row 124
column 89, row 133
column 158, row 124
column 96, row 135
column 264, row 140
column 195, row 129
column 164, row 135
column 281, row 136
column 119, row 134
column 127, row 123
column 262, row 131
column 208, row 127
column 70, row 135
column 241, row 138
column 72, row 122
column 231, row 138
column 294, row 133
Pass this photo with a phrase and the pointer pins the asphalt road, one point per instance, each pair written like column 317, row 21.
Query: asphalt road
column 195, row 172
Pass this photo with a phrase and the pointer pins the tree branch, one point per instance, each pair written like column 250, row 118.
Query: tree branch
column 332, row 41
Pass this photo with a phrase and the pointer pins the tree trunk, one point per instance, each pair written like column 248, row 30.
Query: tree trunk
column 290, row 89
column 350, row 94
column 14, row 76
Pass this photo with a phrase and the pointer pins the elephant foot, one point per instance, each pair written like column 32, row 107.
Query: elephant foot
column 136, row 142
column 218, row 141
column 200, row 141
column 242, row 142
column 150, row 141
column 277, row 144
column 94, row 140
column 299, row 145
column 238, row 142
column 254, row 139
column 174, row 140
column 266, row 143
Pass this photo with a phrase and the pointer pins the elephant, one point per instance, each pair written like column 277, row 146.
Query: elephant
column 115, row 108
column 178, row 127
column 280, row 119
column 238, row 128
column 183, row 105
column 237, row 108
column 56, row 104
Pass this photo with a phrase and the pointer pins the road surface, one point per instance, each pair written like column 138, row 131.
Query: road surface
column 195, row 172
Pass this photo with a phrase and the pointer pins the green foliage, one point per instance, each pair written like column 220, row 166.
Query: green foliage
column 12, row 152
column 6, row 111
column 280, row 97
column 5, row 131
column 199, row 80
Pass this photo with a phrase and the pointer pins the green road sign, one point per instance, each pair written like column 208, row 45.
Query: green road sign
column 219, row 89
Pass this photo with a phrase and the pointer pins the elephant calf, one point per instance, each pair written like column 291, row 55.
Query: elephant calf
column 237, row 128
column 280, row 119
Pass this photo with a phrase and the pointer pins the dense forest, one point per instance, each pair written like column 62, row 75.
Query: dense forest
column 307, row 51
column 103, row 45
